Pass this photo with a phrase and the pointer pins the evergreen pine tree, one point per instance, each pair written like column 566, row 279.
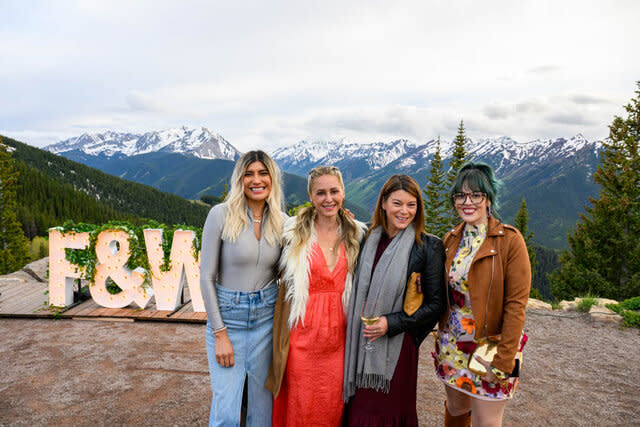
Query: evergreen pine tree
column 604, row 254
column 435, row 200
column 460, row 154
column 459, row 157
column 14, row 246
column 522, row 223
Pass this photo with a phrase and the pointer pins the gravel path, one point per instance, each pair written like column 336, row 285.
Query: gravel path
column 93, row 373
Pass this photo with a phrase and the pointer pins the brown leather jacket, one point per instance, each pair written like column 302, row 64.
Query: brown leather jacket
column 499, row 281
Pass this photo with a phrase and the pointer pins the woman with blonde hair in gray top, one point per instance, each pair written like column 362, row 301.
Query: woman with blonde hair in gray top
column 240, row 251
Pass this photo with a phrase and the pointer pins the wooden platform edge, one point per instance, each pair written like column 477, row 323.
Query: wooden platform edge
column 58, row 316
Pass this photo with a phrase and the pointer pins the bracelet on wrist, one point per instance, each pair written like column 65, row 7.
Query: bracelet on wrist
column 217, row 331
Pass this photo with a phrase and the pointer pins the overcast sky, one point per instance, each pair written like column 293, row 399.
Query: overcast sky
column 266, row 74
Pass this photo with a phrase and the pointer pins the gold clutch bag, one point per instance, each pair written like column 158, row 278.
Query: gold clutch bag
column 414, row 297
column 486, row 351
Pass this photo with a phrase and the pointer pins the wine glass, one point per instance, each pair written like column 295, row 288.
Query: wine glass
column 368, row 319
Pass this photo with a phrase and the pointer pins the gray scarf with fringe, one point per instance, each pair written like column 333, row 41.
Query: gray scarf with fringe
column 383, row 290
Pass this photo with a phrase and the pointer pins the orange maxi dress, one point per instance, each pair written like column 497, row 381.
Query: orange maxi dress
column 311, row 391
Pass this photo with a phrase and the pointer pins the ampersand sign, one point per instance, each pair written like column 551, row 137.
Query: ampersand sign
column 112, row 250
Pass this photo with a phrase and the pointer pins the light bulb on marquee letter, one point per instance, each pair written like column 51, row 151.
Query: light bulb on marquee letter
column 61, row 271
column 111, row 263
column 167, row 285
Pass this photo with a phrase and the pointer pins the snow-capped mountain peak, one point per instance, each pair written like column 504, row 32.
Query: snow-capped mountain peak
column 199, row 142
column 307, row 154
column 504, row 152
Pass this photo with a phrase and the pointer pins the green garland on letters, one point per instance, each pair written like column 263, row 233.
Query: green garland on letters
column 86, row 259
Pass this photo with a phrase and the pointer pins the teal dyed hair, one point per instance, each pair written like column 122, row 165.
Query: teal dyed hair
column 477, row 176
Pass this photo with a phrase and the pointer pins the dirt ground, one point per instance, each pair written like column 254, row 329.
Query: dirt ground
column 103, row 373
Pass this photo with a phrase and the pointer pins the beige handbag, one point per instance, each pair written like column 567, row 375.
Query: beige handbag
column 487, row 348
column 414, row 297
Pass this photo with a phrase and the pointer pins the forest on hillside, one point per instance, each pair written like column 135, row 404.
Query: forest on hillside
column 52, row 190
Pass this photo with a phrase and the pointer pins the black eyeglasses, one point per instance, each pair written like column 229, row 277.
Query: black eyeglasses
column 475, row 197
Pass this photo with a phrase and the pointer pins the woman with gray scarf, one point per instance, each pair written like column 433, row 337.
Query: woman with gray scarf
column 380, row 383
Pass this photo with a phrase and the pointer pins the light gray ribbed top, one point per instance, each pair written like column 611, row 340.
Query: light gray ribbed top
column 246, row 265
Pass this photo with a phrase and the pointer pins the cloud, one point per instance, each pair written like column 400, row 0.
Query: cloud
column 544, row 116
column 498, row 111
column 544, row 69
column 589, row 100
column 360, row 124
column 143, row 102
column 36, row 138
column 573, row 118
column 397, row 120
column 531, row 106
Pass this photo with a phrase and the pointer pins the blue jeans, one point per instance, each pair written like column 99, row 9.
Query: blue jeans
column 248, row 317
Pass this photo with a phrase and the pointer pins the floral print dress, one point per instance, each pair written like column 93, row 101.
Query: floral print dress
column 457, row 342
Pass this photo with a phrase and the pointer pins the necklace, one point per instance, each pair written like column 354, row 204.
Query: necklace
column 256, row 219
column 326, row 235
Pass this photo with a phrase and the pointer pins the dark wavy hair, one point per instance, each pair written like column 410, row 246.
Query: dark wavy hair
column 477, row 176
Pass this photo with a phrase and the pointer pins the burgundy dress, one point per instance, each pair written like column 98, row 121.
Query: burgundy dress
column 398, row 407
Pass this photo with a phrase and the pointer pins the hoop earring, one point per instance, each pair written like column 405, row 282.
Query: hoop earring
column 489, row 211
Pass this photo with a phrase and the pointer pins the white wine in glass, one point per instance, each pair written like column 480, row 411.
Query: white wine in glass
column 369, row 320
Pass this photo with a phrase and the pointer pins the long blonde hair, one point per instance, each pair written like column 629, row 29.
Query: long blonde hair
column 306, row 216
column 236, row 220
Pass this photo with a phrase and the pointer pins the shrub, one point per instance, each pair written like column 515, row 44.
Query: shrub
column 535, row 293
column 631, row 318
column 585, row 304
column 39, row 248
column 629, row 309
column 631, row 304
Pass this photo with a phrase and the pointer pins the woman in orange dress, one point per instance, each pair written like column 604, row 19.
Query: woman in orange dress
column 319, row 254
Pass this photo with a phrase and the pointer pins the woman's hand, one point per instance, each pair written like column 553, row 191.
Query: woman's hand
column 223, row 349
column 375, row 331
column 490, row 376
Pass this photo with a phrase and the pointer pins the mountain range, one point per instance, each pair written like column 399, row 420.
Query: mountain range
column 554, row 175
column 503, row 153
column 197, row 142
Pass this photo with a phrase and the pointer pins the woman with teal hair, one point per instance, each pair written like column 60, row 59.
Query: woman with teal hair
column 478, row 349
